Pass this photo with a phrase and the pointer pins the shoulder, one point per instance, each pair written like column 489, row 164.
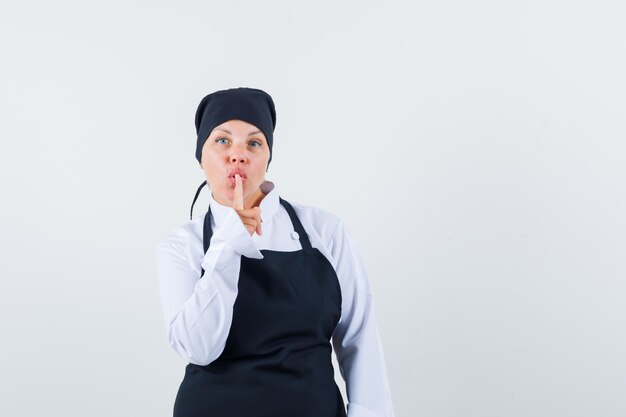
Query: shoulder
column 183, row 237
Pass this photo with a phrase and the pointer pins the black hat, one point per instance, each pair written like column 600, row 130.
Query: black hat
column 248, row 104
column 252, row 105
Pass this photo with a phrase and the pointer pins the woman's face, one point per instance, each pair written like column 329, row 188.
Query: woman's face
column 233, row 147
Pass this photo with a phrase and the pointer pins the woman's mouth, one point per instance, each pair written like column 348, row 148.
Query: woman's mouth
column 233, row 180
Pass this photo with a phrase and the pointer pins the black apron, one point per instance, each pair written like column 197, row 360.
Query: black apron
column 277, row 357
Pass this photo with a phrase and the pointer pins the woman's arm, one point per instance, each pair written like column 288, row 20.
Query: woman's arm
column 356, row 339
column 198, row 311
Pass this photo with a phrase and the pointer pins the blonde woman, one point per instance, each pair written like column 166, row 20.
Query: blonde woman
column 257, row 291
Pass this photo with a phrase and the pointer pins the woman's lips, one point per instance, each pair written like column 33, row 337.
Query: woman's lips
column 233, row 180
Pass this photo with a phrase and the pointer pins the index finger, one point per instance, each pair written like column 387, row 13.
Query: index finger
column 238, row 197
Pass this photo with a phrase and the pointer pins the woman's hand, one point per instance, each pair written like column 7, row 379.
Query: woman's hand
column 251, row 217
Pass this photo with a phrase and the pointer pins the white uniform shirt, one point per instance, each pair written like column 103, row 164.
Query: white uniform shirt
column 198, row 310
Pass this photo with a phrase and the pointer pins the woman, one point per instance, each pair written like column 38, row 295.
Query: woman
column 254, row 291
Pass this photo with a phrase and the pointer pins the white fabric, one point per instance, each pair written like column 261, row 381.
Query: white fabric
column 198, row 311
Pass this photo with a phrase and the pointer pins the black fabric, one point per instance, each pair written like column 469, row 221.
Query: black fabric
column 277, row 358
column 248, row 104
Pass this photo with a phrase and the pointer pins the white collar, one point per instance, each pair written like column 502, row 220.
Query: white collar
column 269, row 204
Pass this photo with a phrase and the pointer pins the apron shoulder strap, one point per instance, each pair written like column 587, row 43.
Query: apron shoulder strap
column 195, row 198
column 304, row 239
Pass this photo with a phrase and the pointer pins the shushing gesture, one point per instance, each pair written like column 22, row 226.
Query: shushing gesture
column 251, row 217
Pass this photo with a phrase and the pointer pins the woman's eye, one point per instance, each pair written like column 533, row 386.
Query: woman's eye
column 256, row 142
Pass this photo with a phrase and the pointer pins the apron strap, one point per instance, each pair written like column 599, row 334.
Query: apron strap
column 304, row 239
column 195, row 198
column 207, row 233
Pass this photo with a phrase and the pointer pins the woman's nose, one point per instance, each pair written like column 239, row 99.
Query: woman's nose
column 237, row 157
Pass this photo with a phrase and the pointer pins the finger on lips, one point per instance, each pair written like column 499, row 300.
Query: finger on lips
column 253, row 214
column 238, row 198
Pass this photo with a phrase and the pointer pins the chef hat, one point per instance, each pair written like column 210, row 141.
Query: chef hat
column 252, row 105
column 248, row 104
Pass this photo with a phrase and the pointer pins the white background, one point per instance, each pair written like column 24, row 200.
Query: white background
column 475, row 150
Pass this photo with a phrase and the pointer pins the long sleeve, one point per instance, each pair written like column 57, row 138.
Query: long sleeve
column 198, row 311
column 356, row 339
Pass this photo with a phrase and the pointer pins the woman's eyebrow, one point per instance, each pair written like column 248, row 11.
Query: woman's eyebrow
column 230, row 133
